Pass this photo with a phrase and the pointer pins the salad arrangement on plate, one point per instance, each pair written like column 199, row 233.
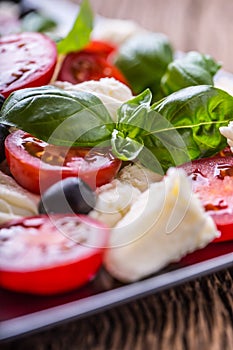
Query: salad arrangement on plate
column 117, row 154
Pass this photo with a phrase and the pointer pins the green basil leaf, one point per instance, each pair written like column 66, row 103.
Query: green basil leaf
column 164, row 146
column 143, row 60
column 59, row 117
column 125, row 148
column 133, row 113
column 136, row 121
column 79, row 35
column 181, row 127
column 196, row 113
column 191, row 69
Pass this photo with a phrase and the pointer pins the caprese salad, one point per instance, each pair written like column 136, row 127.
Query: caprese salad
column 114, row 152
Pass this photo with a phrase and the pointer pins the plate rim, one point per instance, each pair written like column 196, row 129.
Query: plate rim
column 41, row 320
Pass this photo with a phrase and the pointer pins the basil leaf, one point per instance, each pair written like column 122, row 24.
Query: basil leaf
column 164, row 146
column 196, row 113
column 181, row 127
column 59, row 117
column 143, row 60
column 132, row 114
column 79, row 35
column 191, row 69
column 136, row 120
column 125, row 148
column 126, row 141
column 135, row 137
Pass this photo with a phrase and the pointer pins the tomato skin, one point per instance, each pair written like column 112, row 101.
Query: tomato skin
column 91, row 63
column 36, row 176
column 212, row 180
column 26, row 60
column 60, row 276
column 101, row 48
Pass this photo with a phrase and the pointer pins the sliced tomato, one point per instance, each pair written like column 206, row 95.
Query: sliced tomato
column 48, row 255
column 36, row 165
column 89, row 64
column 212, row 180
column 101, row 48
column 26, row 60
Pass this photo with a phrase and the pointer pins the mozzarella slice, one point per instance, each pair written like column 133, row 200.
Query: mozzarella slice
column 15, row 201
column 114, row 201
column 109, row 90
column 138, row 176
column 166, row 222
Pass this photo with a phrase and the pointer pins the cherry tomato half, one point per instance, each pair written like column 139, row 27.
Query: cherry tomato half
column 26, row 60
column 36, row 165
column 212, row 180
column 89, row 64
column 49, row 255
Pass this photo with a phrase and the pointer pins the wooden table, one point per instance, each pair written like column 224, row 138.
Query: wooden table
column 196, row 315
column 202, row 25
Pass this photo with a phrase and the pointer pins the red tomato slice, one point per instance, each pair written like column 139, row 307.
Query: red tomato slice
column 89, row 64
column 101, row 48
column 36, row 165
column 48, row 255
column 26, row 60
column 212, row 180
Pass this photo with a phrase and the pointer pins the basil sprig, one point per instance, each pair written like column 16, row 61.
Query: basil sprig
column 181, row 127
column 79, row 35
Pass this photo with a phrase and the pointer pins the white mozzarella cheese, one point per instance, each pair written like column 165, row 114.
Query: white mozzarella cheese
column 114, row 201
column 166, row 222
column 109, row 90
column 15, row 201
column 138, row 176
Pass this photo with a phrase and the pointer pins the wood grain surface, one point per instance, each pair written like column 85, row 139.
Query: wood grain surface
column 197, row 315
column 203, row 25
column 194, row 316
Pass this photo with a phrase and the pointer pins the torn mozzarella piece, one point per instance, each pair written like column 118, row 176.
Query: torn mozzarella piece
column 227, row 131
column 138, row 176
column 15, row 201
column 109, row 90
column 114, row 201
column 116, row 31
column 166, row 222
